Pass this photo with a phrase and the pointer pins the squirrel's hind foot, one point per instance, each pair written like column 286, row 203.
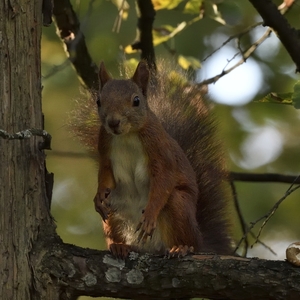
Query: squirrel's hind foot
column 120, row 250
column 179, row 251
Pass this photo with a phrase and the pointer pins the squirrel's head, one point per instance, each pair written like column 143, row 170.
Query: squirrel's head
column 122, row 104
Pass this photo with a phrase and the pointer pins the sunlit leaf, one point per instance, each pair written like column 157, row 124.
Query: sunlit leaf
column 128, row 49
column 217, row 15
column 121, row 4
column 123, row 8
column 165, row 4
column 283, row 98
column 193, row 7
column 189, row 62
column 296, row 95
column 165, row 32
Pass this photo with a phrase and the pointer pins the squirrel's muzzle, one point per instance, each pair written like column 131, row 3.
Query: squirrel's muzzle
column 114, row 125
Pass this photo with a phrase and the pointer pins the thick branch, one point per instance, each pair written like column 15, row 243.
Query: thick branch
column 287, row 34
column 89, row 272
column 145, row 42
column 69, row 29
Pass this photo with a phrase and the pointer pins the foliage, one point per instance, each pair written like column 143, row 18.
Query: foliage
column 260, row 137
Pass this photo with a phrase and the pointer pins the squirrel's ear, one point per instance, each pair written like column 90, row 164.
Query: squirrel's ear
column 141, row 77
column 103, row 75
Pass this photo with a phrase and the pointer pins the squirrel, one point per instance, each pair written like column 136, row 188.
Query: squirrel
column 161, row 175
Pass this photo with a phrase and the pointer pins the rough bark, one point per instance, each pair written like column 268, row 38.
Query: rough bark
column 93, row 273
column 22, row 196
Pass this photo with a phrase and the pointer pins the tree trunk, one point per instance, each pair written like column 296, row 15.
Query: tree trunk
column 22, row 184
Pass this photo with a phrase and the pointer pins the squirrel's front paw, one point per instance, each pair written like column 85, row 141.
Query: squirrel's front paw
column 146, row 226
column 102, row 205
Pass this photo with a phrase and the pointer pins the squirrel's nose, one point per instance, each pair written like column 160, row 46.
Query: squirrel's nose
column 113, row 123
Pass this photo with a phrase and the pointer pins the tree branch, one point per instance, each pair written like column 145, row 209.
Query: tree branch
column 145, row 39
column 69, row 29
column 88, row 272
column 267, row 216
column 245, row 55
column 28, row 133
column 287, row 34
column 266, row 177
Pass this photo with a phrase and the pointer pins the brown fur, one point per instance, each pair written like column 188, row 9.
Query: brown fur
column 173, row 134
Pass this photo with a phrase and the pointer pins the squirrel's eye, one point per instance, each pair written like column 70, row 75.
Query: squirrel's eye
column 98, row 101
column 136, row 101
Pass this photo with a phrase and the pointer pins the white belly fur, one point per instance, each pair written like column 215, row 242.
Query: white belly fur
column 130, row 197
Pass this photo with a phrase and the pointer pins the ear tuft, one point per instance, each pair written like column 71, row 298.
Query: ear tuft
column 103, row 75
column 141, row 77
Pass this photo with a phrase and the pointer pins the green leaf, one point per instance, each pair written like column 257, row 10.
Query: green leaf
column 189, row 62
column 292, row 98
column 165, row 32
column 193, row 7
column 284, row 98
column 296, row 95
column 165, row 4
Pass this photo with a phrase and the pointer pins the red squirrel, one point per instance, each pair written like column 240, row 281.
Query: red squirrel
column 160, row 181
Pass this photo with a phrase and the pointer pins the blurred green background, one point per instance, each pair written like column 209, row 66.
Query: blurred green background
column 258, row 137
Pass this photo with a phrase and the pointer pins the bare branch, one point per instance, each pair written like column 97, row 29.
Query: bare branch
column 240, row 215
column 266, row 177
column 28, row 133
column 245, row 56
column 272, row 211
column 235, row 36
column 282, row 9
column 267, row 216
column 288, row 35
column 244, row 226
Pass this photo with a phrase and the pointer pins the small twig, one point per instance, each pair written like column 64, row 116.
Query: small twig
column 262, row 243
column 70, row 154
column 28, row 133
column 266, row 216
column 235, row 36
column 273, row 210
column 282, row 9
column 240, row 215
column 245, row 56
column 118, row 21
column 56, row 69
column 243, row 223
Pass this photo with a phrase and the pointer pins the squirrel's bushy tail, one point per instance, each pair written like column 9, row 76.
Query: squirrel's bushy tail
column 188, row 118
